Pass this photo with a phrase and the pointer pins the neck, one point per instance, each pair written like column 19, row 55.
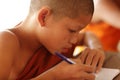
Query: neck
column 26, row 34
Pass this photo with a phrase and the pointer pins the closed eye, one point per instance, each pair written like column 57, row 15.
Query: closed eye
column 72, row 31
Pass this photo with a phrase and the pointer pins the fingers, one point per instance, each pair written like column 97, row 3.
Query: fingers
column 77, row 71
column 95, row 61
column 88, row 68
column 92, row 57
column 88, row 76
column 98, row 61
column 78, row 61
column 84, row 55
column 87, row 73
column 83, row 72
column 101, row 61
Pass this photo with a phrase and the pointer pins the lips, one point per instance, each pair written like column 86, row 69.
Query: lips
column 66, row 49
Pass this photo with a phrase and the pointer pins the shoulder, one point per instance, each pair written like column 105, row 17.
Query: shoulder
column 8, row 40
column 9, row 46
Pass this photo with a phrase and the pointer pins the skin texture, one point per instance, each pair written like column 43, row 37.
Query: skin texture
column 60, row 35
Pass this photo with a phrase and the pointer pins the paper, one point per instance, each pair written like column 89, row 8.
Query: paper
column 107, row 74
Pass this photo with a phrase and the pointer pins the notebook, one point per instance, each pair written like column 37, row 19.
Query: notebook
column 107, row 74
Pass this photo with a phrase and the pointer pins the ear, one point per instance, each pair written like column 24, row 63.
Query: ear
column 43, row 14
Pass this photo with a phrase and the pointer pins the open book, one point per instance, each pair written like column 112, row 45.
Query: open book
column 107, row 74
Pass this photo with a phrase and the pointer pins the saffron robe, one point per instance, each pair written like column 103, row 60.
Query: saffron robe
column 39, row 63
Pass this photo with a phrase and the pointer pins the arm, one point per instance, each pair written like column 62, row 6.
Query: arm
column 7, row 50
column 48, row 75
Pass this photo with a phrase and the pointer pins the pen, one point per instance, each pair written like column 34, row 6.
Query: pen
column 64, row 58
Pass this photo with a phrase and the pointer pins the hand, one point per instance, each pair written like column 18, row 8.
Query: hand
column 65, row 71
column 78, row 71
column 93, row 57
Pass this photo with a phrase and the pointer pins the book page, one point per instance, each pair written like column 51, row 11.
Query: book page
column 107, row 74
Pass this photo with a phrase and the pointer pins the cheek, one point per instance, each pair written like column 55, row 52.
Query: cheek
column 59, row 39
column 63, row 37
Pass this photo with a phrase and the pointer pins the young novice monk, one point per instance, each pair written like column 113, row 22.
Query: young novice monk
column 27, row 50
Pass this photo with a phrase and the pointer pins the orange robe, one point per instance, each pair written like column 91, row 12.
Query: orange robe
column 108, row 35
column 40, row 62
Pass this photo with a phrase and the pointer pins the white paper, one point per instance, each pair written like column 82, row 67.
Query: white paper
column 107, row 74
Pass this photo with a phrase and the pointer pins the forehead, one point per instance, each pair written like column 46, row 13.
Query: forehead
column 80, row 21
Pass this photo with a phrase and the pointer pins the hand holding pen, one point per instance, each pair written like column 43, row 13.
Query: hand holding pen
column 82, row 71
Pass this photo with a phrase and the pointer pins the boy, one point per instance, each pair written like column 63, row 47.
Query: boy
column 27, row 50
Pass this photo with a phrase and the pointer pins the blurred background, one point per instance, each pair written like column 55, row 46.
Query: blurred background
column 106, row 24
column 12, row 12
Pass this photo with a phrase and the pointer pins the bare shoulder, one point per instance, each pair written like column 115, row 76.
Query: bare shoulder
column 8, row 40
column 9, row 45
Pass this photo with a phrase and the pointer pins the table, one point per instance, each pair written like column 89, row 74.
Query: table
column 112, row 61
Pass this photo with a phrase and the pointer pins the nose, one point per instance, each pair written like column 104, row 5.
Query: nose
column 74, row 39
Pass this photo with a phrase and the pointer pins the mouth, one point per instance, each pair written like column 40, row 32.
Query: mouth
column 66, row 49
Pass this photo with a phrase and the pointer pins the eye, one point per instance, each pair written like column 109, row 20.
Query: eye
column 72, row 31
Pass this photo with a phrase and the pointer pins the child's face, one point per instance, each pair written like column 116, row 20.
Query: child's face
column 60, row 35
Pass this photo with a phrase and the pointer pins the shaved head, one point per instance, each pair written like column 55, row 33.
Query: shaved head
column 61, row 8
